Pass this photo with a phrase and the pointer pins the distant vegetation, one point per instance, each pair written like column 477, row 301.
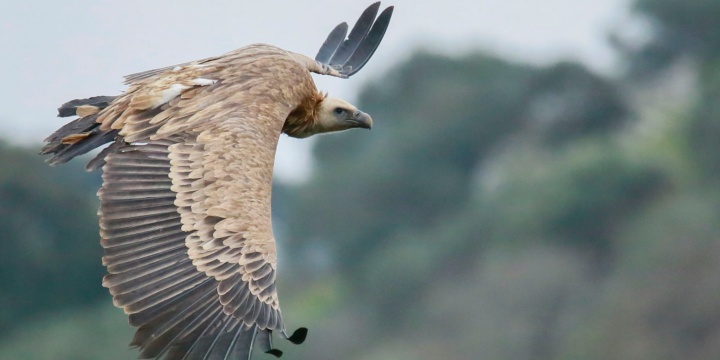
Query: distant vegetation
column 50, row 249
column 496, row 211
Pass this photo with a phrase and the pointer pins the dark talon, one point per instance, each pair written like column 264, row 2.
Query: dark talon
column 298, row 337
column 274, row 352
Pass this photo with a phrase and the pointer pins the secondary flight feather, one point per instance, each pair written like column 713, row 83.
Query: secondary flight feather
column 185, row 203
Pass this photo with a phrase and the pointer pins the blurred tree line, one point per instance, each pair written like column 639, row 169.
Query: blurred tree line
column 49, row 260
column 497, row 211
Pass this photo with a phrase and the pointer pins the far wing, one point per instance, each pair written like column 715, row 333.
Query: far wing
column 196, row 285
column 348, row 56
column 133, row 78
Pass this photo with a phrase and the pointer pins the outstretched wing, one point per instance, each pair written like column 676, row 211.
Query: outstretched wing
column 348, row 56
column 174, row 305
column 185, row 204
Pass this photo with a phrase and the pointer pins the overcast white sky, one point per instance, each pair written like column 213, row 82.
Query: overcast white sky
column 55, row 51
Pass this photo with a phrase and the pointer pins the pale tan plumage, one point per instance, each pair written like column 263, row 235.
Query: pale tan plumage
column 185, row 214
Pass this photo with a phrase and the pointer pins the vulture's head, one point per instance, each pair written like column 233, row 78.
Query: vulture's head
column 334, row 114
column 329, row 115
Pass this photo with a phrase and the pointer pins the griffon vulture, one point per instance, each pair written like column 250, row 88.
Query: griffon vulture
column 185, row 201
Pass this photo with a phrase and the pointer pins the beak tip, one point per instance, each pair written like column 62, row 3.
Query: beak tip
column 367, row 121
column 362, row 120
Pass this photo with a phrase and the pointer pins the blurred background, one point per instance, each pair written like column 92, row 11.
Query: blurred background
column 542, row 181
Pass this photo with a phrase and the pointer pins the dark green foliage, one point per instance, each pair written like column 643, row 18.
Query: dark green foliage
column 685, row 30
column 679, row 28
column 704, row 128
column 579, row 197
column 566, row 101
column 50, row 250
column 86, row 332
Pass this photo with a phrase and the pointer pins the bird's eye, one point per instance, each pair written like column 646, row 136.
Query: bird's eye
column 339, row 111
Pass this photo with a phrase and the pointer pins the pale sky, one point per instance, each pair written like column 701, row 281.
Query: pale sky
column 55, row 51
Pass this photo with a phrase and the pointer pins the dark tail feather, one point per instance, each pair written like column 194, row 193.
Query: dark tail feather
column 80, row 135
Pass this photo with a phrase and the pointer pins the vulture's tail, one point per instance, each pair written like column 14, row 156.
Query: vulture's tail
column 80, row 135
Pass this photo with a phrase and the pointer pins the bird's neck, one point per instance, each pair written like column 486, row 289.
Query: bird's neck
column 302, row 120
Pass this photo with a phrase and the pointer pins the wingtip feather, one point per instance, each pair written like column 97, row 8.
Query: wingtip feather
column 349, row 55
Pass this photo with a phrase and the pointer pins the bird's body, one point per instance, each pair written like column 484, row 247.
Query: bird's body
column 185, row 216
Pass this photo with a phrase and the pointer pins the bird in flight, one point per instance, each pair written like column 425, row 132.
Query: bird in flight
column 185, row 202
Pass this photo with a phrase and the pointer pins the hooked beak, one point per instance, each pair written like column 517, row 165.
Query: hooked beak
column 361, row 120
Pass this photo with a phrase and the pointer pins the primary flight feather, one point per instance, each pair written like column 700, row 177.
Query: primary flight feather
column 185, row 202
